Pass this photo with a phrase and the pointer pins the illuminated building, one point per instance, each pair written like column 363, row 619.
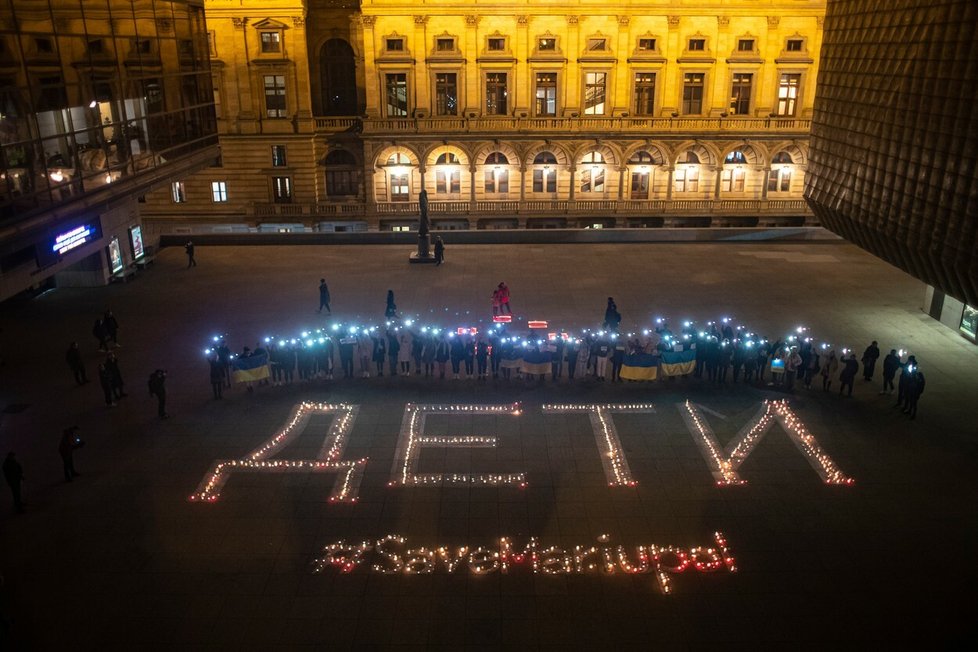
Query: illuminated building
column 895, row 143
column 100, row 102
column 335, row 114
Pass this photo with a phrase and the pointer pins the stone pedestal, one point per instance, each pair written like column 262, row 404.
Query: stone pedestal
column 423, row 254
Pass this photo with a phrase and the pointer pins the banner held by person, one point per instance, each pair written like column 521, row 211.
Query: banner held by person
column 640, row 366
column 678, row 363
column 251, row 368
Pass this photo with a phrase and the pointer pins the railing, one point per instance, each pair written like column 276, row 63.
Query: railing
column 507, row 124
column 336, row 124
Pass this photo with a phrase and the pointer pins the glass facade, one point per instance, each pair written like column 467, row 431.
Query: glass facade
column 92, row 92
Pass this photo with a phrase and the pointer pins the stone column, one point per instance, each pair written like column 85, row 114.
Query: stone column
column 420, row 83
column 718, row 172
column 671, row 169
column 572, row 80
column 621, row 100
column 472, row 172
column 372, row 94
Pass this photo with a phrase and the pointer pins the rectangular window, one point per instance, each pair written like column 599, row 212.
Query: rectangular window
column 597, row 44
column 278, row 156
column 595, row 84
column 447, row 181
column 446, row 93
column 544, row 180
column 395, row 45
column 686, row 180
column 445, row 44
column 740, row 93
column 282, row 190
column 496, row 44
column 96, row 46
column 497, row 180
column 640, row 185
column 697, row 44
column 275, row 96
column 178, row 191
column 646, row 44
column 496, row 93
column 396, row 91
column 745, row 45
column 546, row 94
column 788, row 93
column 547, row 44
column 779, row 180
column 732, row 180
column 341, row 182
column 271, row 42
column 794, row 45
column 399, row 187
column 44, row 45
column 693, row 83
column 219, row 191
column 592, row 180
column 645, row 93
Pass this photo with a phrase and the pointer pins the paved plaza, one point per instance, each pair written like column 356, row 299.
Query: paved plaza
column 603, row 478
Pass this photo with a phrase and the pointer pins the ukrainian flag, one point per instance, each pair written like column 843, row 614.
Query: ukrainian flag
column 254, row 367
column 640, row 366
column 536, row 362
column 678, row 363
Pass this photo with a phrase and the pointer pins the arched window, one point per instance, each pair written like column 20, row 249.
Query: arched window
column 497, row 176
column 400, row 176
column 592, row 176
column 544, row 178
column 398, row 159
column 782, row 158
column 779, row 178
column 342, row 174
column 641, row 176
column 689, row 158
column 734, row 179
column 641, row 157
column 735, row 158
column 687, row 179
column 337, row 76
column 447, row 175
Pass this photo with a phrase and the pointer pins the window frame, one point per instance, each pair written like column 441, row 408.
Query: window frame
column 400, row 111
column 790, row 100
column 551, row 99
column 279, row 42
column 282, row 189
column 439, row 85
column 689, row 85
column 586, row 87
column 219, row 192
column 280, row 158
column 276, row 92
column 500, row 108
column 736, row 88
column 650, row 97
column 178, row 192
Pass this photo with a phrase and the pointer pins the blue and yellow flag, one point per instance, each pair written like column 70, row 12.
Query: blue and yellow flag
column 251, row 368
column 678, row 363
column 640, row 366
column 536, row 362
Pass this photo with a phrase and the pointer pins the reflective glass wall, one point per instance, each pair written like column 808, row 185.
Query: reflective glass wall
column 92, row 91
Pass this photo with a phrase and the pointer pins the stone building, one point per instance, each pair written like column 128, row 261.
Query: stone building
column 895, row 142
column 98, row 105
column 571, row 113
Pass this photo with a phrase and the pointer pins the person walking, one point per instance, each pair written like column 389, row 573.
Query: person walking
column 915, row 387
column 439, row 251
column 13, row 473
column 98, row 330
column 66, row 448
column 870, row 355
column 76, row 364
column 217, row 376
column 828, row 371
column 112, row 365
column 111, row 327
column 324, row 296
column 189, row 249
column 849, row 370
column 105, row 381
column 890, row 365
column 571, row 351
column 390, row 312
column 157, row 388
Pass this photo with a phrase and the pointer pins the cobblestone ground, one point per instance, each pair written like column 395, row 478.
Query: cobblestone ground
column 121, row 559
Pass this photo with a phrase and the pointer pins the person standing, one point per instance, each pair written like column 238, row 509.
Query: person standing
column 405, row 352
column 442, row 355
column 13, row 473
column 828, row 370
column 571, row 352
column 849, row 370
column 439, row 251
column 602, row 353
column 217, row 376
column 157, row 388
column 224, row 355
column 365, row 351
column 115, row 375
column 393, row 351
column 904, row 382
column 75, row 363
column 915, row 387
column 504, row 307
column 870, row 355
column 482, row 357
column 347, row 345
column 612, row 318
column 457, row 354
column 390, row 312
column 324, row 296
column 495, row 302
column 66, row 448
column 189, row 248
column 105, row 381
column 792, row 363
column 98, row 330
column 428, row 355
column 890, row 365
column 111, row 327
column 417, row 351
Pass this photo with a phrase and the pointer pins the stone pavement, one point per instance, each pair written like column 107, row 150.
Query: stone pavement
column 121, row 559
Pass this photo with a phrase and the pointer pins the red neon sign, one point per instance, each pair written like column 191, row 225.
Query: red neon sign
column 502, row 319
column 537, row 324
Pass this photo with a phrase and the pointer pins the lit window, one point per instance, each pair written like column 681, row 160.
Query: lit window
column 445, row 44
column 595, row 88
column 745, row 45
column 400, row 176
column 740, row 93
column 544, row 176
column 397, row 102
column 178, row 192
column 496, row 93
column 282, row 190
column 547, row 44
column 592, row 176
column 447, row 177
column 697, row 44
column 646, row 44
column 446, row 93
column 788, row 93
column 645, row 93
column 546, row 94
column 275, row 96
column 732, row 180
column 794, row 45
column 278, row 156
column 496, row 44
column 779, row 180
column 395, row 45
column 400, row 228
column 219, row 191
column 686, row 180
column 271, row 42
column 497, row 177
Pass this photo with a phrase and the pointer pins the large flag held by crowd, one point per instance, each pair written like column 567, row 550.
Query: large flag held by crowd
column 250, row 368
column 678, row 363
column 536, row 362
column 640, row 366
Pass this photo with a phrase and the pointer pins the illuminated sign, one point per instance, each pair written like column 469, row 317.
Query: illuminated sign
column 115, row 256
column 78, row 236
column 502, row 319
column 537, row 324
column 136, row 240
column 466, row 331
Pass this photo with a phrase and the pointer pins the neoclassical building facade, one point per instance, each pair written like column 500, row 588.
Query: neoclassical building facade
column 335, row 114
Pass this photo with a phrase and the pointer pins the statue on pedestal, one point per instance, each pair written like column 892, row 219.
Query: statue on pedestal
column 424, row 239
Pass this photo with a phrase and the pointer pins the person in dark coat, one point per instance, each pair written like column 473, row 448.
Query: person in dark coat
column 457, row 354
column 13, row 473
column 324, row 296
column 915, row 387
column 571, row 352
column 75, row 363
column 482, row 357
column 870, row 355
column 905, row 371
column 390, row 312
column 380, row 353
column 98, row 330
column 157, row 388
column 105, row 381
column 111, row 327
column 443, row 353
column 217, row 376
column 612, row 318
column 346, row 355
column 849, row 370
column 189, row 249
column 439, row 251
column 66, row 448
column 890, row 365
column 393, row 350
column 112, row 365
